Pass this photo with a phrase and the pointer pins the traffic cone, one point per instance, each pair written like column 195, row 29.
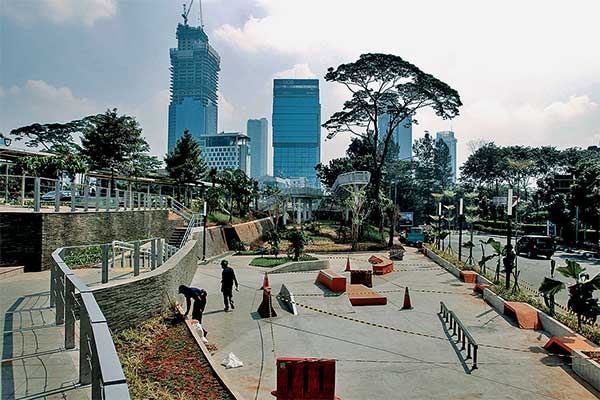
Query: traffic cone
column 266, row 284
column 407, row 305
column 347, row 265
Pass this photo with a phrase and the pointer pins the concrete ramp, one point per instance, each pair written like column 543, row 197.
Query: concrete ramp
column 360, row 295
column 527, row 316
column 567, row 344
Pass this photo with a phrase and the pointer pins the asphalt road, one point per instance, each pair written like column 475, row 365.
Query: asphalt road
column 533, row 271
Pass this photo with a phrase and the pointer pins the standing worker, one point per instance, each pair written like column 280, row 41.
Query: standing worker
column 227, row 281
column 199, row 296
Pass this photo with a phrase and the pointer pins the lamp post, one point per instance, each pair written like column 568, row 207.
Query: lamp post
column 439, row 225
column 460, row 228
column 204, row 222
column 509, row 206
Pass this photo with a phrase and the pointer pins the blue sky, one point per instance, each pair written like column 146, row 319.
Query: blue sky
column 527, row 74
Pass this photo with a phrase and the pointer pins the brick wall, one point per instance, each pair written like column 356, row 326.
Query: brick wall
column 30, row 238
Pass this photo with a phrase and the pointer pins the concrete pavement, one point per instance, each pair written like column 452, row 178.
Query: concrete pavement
column 377, row 363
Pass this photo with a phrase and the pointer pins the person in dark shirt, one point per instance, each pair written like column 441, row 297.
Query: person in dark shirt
column 199, row 296
column 227, row 281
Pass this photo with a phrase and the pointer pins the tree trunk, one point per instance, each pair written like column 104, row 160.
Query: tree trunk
column 391, row 239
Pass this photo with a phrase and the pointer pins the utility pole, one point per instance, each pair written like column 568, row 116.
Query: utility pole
column 460, row 228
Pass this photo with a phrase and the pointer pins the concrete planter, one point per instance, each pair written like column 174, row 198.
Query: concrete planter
column 585, row 366
column 444, row 264
column 298, row 266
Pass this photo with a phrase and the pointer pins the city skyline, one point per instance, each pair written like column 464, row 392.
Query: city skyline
column 537, row 100
column 258, row 131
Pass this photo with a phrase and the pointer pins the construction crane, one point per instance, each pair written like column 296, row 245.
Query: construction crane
column 186, row 12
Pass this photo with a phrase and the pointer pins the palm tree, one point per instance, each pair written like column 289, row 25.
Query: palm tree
column 580, row 301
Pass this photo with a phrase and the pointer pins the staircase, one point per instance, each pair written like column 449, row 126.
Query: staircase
column 177, row 236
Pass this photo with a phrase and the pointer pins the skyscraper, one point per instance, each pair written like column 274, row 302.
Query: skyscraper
column 450, row 140
column 257, row 130
column 194, row 83
column 226, row 150
column 296, row 129
column 402, row 135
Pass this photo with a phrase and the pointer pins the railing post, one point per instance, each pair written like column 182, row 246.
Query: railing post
column 97, row 194
column 23, row 191
column 85, row 344
column 53, row 273
column 69, row 314
column 104, row 263
column 161, row 248
column 36, row 194
column 136, row 258
column 72, row 197
column 475, row 356
column 113, row 254
column 139, row 202
column 108, row 195
column 86, row 195
column 153, row 254
column 57, row 196
column 60, row 298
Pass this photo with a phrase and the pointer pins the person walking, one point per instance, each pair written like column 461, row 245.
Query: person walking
column 227, row 280
column 199, row 296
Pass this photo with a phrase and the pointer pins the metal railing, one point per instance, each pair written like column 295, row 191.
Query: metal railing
column 351, row 178
column 463, row 336
column 180, row 209
column 99, row 363
column 195, row 221
column 37, row 193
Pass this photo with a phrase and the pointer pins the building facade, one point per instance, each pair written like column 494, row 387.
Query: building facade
column 450, row 140
column 296, row 129
column 226, row 150
column 258, row 131
column 194, row 69
column 402, row 135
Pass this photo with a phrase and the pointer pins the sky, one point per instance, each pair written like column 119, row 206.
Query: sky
column 528, row 72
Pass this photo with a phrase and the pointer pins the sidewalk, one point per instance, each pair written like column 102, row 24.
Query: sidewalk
column 377, row 363
column 34, row 361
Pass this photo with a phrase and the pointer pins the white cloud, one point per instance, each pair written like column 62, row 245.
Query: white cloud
column 59, row 11
column 227, row 117
column 298, row 71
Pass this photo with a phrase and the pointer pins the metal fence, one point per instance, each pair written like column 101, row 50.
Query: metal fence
column 38, row 193
column 463, row 336
column 99, row 363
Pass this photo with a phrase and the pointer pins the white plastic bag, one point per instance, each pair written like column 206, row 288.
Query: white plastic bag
column 200, row 331
column 231, row 361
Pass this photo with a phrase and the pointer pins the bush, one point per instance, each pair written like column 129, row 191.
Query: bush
column 268, row 262
column 84, row 257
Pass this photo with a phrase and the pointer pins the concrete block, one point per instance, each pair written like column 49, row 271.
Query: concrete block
column 588, row 369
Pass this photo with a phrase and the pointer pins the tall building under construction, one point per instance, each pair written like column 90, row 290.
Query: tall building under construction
column 194, row 69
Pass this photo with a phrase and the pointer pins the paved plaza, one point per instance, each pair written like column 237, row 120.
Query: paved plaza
column 417, row 359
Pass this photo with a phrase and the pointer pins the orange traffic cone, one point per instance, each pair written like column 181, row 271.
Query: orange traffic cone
column 407, row 305
column 347, row 265
column 266, row 284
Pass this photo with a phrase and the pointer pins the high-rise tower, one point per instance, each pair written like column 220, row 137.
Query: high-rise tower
column 194, row 83
column 401, row 135
column 450, row 140
column 257, row 130
column 296, row 129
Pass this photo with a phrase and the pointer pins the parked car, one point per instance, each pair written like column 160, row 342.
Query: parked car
column 65, row 195
column 536, row 245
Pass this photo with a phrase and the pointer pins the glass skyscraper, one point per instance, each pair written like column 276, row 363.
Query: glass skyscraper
column 450, row 140
column 402, row 135
column 194, row 83
column 258, row 130
column 296, row 129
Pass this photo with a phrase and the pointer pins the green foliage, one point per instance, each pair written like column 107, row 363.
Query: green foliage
column 83, row 257
column 268, row 262
column 113, row 142
column 53, row 137
column 297, row 240
column 184, row 163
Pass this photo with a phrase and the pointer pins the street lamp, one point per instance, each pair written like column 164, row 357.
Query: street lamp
column 509, row 209
column 460, row 228
column 439, row 225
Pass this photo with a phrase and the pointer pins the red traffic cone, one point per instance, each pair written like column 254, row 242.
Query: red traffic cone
column 407, row 305
column 266, row 284
column 347, row 265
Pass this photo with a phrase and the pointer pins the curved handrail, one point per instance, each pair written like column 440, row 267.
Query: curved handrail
column 99, row 363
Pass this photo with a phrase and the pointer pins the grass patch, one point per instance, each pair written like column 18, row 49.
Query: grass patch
column 268, row 262
column 163, row 362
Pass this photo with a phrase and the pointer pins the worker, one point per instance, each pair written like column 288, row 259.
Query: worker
column 227, row 280
column 199, row 296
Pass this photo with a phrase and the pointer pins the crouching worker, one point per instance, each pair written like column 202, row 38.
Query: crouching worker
column 199, row 296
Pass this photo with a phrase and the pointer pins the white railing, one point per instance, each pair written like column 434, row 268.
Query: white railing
column 351, row 178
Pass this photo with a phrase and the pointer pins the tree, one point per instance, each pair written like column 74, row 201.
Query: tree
column 297, row 241
column 442, row 164
column 51, row 136
column 184, row 163
column 392, row 212
column 385, row 84
column 358, row 158
column 110, row 141
column 581, row 300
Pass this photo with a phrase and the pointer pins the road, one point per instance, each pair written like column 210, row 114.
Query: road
column 532, row 271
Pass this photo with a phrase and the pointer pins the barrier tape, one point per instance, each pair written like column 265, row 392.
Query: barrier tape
column 387, row 327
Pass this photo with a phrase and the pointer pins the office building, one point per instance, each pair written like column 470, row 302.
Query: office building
column 194, row 84
column 402, row 135
column 258, row 131
column 296, row 129
column 226, row 150
column 450, row 140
